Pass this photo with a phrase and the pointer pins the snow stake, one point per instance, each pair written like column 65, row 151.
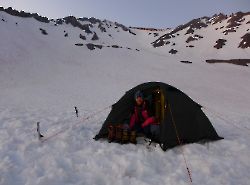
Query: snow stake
column 76, row 111
column 38, row 131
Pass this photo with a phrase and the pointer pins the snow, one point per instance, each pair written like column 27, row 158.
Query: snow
column 42, row 78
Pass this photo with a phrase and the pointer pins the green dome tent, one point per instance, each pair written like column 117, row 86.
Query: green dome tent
column 181, row 119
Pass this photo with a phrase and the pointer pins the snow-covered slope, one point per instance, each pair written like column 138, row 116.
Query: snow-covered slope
column 43, row 75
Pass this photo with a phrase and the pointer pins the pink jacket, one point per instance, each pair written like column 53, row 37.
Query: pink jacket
column 147, row 120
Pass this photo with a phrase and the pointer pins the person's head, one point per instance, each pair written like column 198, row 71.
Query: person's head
column 139, row 98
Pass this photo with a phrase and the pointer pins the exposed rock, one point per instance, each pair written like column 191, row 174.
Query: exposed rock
column 156, row 34
column 242, row 62
column 82, row 37
column 245, row 43
column 3, row 20
column 236, row 19
column 95, row 37
column 74, row 22
column 92, row 20
column 59, row 21
column 192, row 38
column 189, row 46
column 229, row 30
column 66, row 35
column 79, row 44
column 93, row 46
column 248, row 22
column 137, row 49
column 221, row 27
column 218, row 18
column 148, row 29
column 128, row 48
column 115, row 46
column 100, row 26
column 173, row 44
column 25, row 14
column 192, row 25
column 220, row 43
column 186, row 62
column 124, row 28
column 173, row 51
column 44, row 32
column 131, row 32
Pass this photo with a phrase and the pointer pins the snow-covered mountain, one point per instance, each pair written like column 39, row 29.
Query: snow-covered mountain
column 49, row 66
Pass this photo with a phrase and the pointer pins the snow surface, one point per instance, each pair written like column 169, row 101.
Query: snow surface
column 42, row 78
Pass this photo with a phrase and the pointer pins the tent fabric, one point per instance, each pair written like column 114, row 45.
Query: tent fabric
column 182, row 116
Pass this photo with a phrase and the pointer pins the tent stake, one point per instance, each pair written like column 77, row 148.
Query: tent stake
column 38, row 131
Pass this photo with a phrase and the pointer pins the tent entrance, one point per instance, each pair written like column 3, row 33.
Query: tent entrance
column 156, row 100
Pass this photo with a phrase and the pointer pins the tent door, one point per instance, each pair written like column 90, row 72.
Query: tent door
column 159, row 104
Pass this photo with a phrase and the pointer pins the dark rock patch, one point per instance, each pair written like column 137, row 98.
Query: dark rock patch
column 236, row 19
column 156, row 34
column 92, row 20
column 192, row 25
column 100, row 26
column 221, row 27
column 173, row 51
column 110, row 35
column 4, row 20
column 137, row 49
column 91, row 46
column 173, row 44
column 131, row 32
column 193, row 38
column 124, row 28
column 128, row 48
column 229, row 30
column 25, row 14
column 247, row 29
column 248, row 22
column 95, row 37
column 115, row 46
column 186, row 62
column 66, row 35
column 218, row 18
column 79, row 44
column 82, row 37
column 241, row 62
column 245, row 42
column 190, row 46
column 44, row 32
column 220, row 43
column 74, row 22
column 59, row 21
column 216, row 28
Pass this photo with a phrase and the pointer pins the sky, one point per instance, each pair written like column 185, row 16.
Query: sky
column 141, row 13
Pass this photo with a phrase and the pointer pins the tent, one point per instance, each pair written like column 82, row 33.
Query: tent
column 181, row 119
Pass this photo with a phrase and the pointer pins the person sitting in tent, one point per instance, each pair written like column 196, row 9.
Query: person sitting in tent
column 141, row 119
